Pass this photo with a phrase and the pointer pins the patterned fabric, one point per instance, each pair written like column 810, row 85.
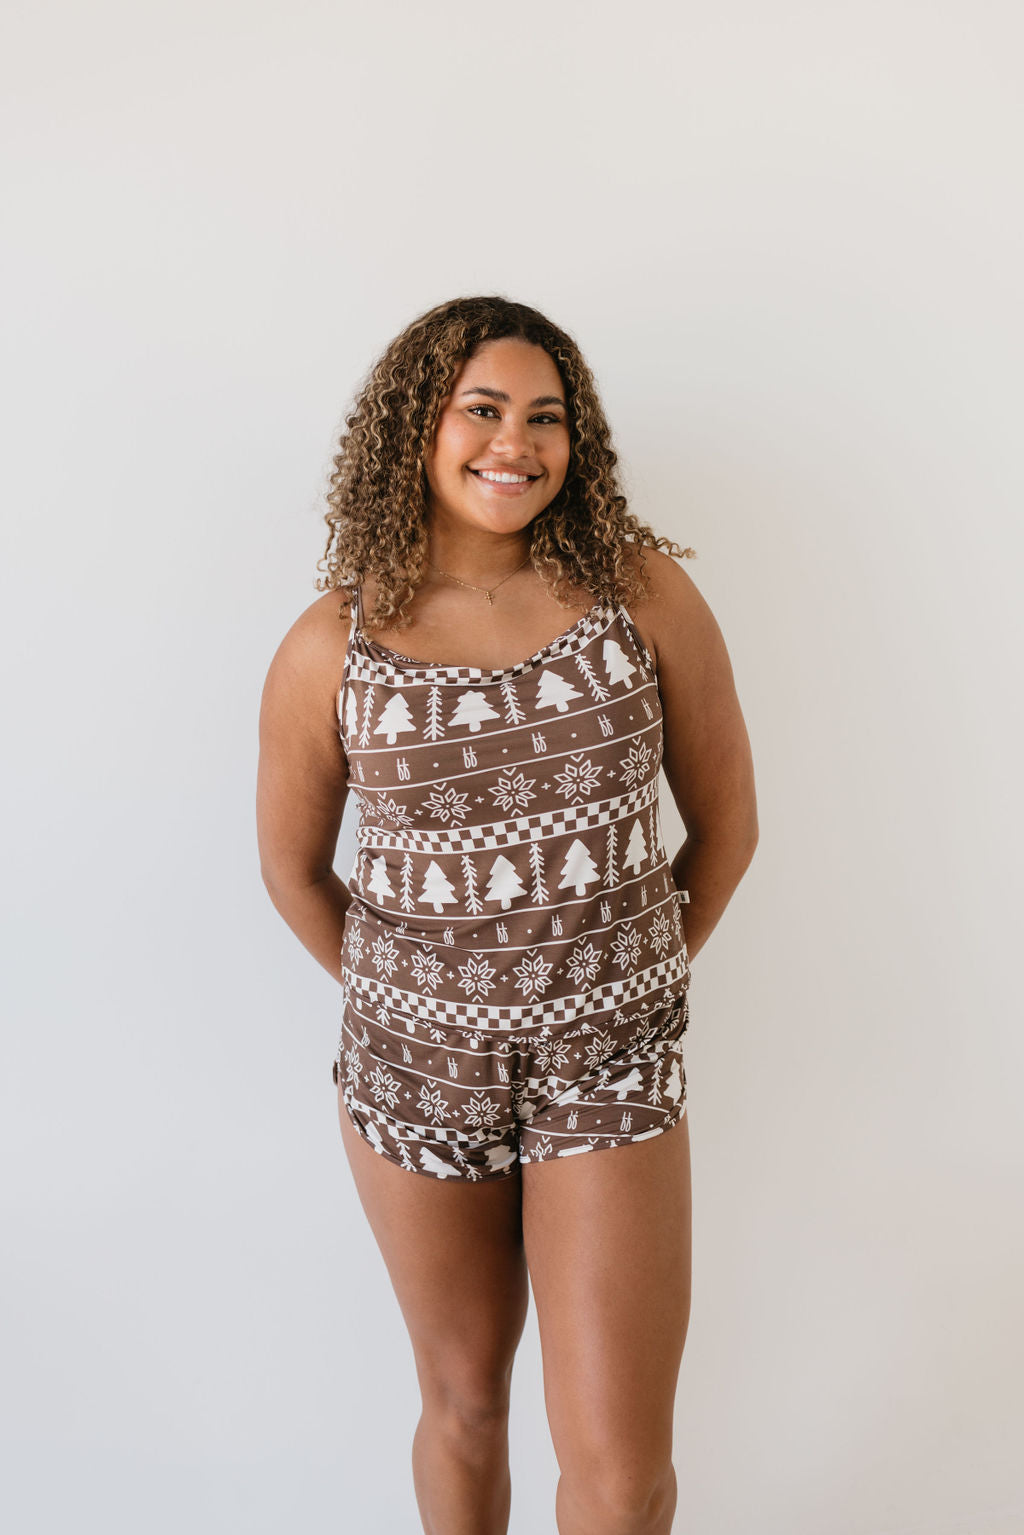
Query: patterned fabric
column 510, row 883
column 468, row 1105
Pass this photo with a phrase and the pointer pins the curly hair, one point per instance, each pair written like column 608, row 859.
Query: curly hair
column 379, row 496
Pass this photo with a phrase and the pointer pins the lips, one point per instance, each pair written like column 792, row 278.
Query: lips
column 484, row 474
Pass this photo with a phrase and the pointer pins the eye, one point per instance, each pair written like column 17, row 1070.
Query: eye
column 545, row 417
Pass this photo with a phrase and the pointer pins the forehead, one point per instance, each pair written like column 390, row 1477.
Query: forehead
column 510, row 363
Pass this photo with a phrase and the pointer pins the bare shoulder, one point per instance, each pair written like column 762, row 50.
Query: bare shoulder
column 672, row 617
column 306, row 669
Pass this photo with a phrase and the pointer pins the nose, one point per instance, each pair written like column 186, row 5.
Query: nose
column 513, row 437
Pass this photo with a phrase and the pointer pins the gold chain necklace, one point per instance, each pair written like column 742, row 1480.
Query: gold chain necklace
column 490, row 590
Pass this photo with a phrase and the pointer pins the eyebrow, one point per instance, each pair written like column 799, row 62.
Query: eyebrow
column 499, row 394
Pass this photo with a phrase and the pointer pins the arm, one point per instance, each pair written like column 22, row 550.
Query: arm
column 707, row 758
column 302, row 781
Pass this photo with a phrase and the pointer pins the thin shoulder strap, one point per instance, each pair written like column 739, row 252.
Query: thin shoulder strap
column 359, row 606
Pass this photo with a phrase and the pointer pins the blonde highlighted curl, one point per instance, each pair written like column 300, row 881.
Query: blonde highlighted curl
column 379, row 496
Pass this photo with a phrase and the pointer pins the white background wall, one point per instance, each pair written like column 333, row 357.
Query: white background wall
column 789, row 239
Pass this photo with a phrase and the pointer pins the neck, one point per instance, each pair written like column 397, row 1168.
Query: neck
column 480, row 558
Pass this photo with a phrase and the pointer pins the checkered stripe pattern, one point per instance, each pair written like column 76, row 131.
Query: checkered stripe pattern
column 555, row 1013
column 365, row 668
column 502, row 834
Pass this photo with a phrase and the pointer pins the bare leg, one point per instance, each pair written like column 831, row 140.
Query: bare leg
column 607, row 1237
column 454, row 1253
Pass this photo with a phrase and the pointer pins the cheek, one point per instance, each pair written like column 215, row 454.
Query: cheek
column 455, row 444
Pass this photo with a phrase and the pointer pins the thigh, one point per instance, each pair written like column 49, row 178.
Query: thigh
column 607, row 1238
column 454, row 1253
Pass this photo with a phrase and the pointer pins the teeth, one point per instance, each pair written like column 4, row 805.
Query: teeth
column 502, row 479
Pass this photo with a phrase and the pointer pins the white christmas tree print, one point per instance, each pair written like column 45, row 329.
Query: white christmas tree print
column 579, row 869
column 612, row 874
column 364, row 734
column 593, row 682
column 513, row 709
column 540, row 890
column 617, row 664
column 473, row 901
column 438, row 890
column 505, row 884
column 407, row 903
column 513, row 791
column 555, row 692
column 532, row 975
column 447, row 804
column 395, row 719
column 351, row 715
column 379, row 884
column 432, row 1164
column 472, row 709
column 636, row 849
column 476, row 978
column 674, row 1084
column 632, row 1083
column 579, row 778
column 636, row 763
column 434, row 728
column 652, row 824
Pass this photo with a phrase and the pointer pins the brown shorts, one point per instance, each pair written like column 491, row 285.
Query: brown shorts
column 466, row 1104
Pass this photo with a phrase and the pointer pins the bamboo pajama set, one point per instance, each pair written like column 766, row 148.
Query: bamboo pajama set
column 515, row 980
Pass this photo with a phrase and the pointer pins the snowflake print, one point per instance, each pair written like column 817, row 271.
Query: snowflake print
column 643, row 1035
column 598, row 1050
column 659, row 934
column 636, row 765
column 513, row 791
column 433, row 1104
column 583, row 963
column 355, row 945
column 481, row 1111
column 579, row 779
column 385, row 956
column 549, row 1055
column 626, row 947
column 426, row 970
column 533, row 975
column 447, row 804
column 384, row 1086
column 353, row 1064
column 542, row 1149
column 387, row 810
column 476, row 978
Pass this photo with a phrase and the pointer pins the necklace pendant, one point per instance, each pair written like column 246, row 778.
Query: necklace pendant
column 490, row 598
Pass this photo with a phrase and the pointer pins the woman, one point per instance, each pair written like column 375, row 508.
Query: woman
column 513, row 964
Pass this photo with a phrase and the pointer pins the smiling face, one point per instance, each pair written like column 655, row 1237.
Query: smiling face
column 500, row 451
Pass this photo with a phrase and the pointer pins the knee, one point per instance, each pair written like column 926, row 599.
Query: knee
column 618, row 1498
column 467, row 1405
